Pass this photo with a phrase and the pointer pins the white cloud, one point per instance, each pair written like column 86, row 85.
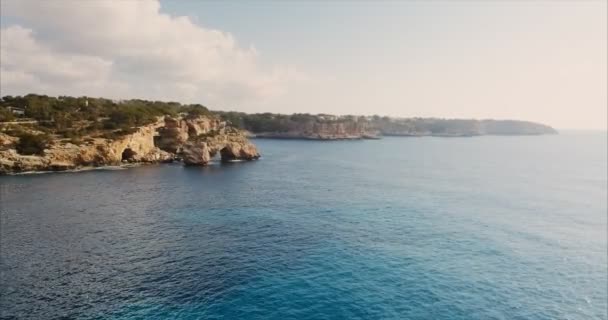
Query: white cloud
column 128, row 49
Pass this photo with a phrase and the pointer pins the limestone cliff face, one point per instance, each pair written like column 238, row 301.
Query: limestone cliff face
column 196, row 153
column 161, row 141
column 139, row 146
column 198, row 140
column 176, row 132
column 331, row 130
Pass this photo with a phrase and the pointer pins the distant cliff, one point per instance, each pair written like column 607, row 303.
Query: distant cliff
column 299, row 126
column 329, row 127
column 323, row 130
column 457, row 127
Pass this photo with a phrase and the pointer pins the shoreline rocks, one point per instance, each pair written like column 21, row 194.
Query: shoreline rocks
column 196, row 140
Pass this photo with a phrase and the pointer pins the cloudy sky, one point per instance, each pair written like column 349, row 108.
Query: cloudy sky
column 539, row 61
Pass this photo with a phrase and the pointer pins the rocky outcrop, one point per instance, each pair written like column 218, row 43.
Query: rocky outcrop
column 11, row 161
column 230, row 143
column 177, row 131
column 197, row 140
column 239, row 151
column 196, row 153
column 200, row 139
column 172, row 135
column 138, row 146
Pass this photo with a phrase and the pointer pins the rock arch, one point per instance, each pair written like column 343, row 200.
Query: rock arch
column 227, row 154
column 200, row 152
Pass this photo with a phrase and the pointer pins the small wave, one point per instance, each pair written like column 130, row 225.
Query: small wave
column 29, row 173
column 110, row 168
column 104, row 168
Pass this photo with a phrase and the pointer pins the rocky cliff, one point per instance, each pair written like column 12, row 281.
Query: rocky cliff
column 162, row 141
column 331, row 127
column 325, row 130
column 457, row 127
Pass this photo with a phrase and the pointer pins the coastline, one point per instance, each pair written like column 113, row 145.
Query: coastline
column 312, row 138
column 80, row 169
column 124, row 166
column 378, row 137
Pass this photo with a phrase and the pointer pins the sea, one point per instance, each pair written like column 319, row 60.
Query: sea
column 490, row 227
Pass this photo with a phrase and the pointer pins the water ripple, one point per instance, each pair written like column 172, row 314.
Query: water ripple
column 424, row 231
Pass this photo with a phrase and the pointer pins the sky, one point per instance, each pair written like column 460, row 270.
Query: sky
column 526, row 60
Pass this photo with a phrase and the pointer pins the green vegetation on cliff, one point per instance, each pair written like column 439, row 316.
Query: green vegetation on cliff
column 32, row 144
column 75, row 117
column 280, row 123
column 274, row 122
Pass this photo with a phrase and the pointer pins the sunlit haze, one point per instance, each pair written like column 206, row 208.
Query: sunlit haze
column 537, row 61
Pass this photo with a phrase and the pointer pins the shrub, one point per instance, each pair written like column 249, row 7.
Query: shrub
column 77, row 141
column 70, row 133
column 196, row 110
column 113, row 135
column 32, row 144
column 6, row 115
column 110, row 135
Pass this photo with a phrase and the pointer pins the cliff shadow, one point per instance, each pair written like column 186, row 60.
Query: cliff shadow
column 128, row 155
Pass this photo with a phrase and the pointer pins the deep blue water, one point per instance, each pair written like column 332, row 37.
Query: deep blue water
column 401, row 228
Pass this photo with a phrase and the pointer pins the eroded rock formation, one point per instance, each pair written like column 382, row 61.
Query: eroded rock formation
column 196, row 140
column 230, row 143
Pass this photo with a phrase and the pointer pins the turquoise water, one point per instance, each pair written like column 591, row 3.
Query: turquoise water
column 401, row 228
